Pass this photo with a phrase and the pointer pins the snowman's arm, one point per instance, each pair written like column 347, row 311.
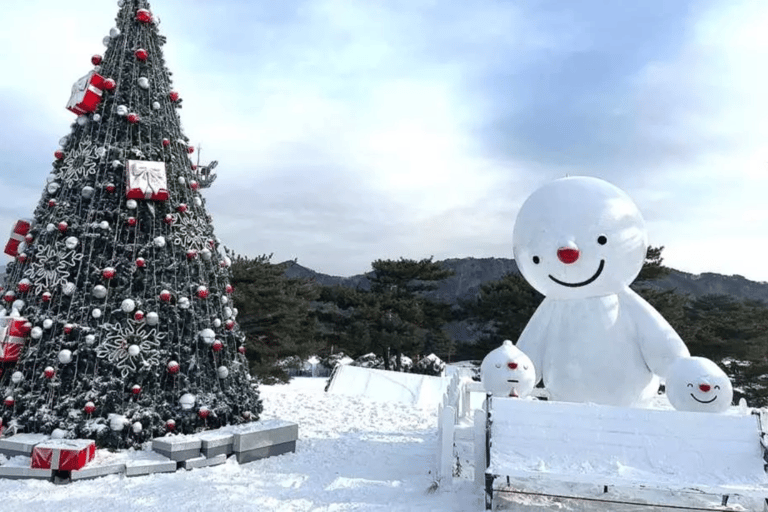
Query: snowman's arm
column 532, row 341
column 659, row 342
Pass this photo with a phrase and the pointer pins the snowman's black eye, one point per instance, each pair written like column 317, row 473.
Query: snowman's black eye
column 536, row 260
column 602, row 240
column 690, row 385
column 717, row 387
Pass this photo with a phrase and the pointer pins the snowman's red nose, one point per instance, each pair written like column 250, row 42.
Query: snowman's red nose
column 567, row 255
column 512, row 365
column 705, row 387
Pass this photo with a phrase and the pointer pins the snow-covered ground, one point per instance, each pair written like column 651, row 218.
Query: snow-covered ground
column 353, row 454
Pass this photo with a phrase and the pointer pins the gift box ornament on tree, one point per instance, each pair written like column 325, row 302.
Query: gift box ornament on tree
column 19, row 231
column 12, row 334
column 86, row 94
column 146, row 180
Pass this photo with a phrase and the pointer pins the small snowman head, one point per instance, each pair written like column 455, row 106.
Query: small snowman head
column 579, row 237
column 507, row 371
column 698, row 384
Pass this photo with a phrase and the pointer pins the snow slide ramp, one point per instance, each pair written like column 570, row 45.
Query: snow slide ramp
column 386, row 386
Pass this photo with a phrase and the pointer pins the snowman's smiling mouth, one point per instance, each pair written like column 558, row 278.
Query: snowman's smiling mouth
column 583, row 283
column 704, row 401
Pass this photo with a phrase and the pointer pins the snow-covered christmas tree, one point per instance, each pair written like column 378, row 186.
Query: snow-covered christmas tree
column 117, row 320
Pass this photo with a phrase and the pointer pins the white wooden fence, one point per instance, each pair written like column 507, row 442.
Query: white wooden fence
column 454, row 407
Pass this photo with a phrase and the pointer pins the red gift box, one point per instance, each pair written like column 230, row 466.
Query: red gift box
column 63, row 454
column 12, row 333
column 86, row 94
column 20, row 229
column 146, row 180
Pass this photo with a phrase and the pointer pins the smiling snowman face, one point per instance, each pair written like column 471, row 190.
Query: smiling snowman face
column 698, row 384
column 579, row 237
column 506, row 371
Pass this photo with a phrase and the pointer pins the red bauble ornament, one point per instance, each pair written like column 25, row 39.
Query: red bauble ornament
column 194, row 185
column 166, row 143
column 173, row 367
column 24, row 285
column 141, row 262
column 174, row 96
column 108, row 273
column 131, row 221
column 169, row 218
column 63, row 226
column 193, row 167
column 143, row 15
column 96, row 60
column 217, row 346
column 9, row 296
column 138, row 316
column 109, row 84
column 59, row 154
column 52, row 203
column 165, row 296
column 229, row 288
column 241, row 349
column 133, row 118
column 191, row 254
column 141, row 54
column 68, row 328
column 170, row 425
column 202, row 292
column 190, row 149
column 47, row 296
column 89, row 407
column 203, row 412
column 22, row 257
column 49, row 372
column 9, row 401
column 29, row 238
column 136, row 389
column 110, row 187
column 181, row 208
column 229, row 325
column 26, row 328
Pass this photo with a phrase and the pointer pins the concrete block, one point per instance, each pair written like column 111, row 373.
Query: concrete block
column 216, row 443
column 178, row 448
column 148, row 463
column 21, row 444
column 261, row 434
column 266, row 451
column 15, row 472
column 203, row 462
column 97, row 471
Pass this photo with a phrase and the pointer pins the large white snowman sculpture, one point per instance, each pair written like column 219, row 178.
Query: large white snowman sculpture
column 581, row 241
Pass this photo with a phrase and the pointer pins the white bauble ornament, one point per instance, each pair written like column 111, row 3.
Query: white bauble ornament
column 222, row 372
column 90, row 339
column 63, row 141
column 106, row 40
column 137, row 427
column 698, row 384
column 47, row 323
column 68, row 288
column 182, row 180
column 117, row 422
column 114, row 32
column 36, row 333
column 143, row 82
column 224, row 299
column 120, row 3
column 59, row 433
column 156, row 105
column 187, row 401
column 207, row 335
column 152, row 318
column 116, row 164
column 96, row 313
column 104, row 225
column 133, row 350
column 17, row 377
column 122, row 110
column 71, row 242
column 82, row 120
column 65, row 356
column 217, row 322
column 97, row 117
column 87, row 192
column 51, row 227
column 206, row 254
column 227, row 312
column 131, row 204
column 128, row 305
column 159, row 241
column 197, row 201
column 53, row 187
column 184, row 303
column 99, row 291
column 506, row 371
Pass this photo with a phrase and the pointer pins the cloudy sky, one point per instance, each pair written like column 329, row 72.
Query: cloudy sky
column 350, row 130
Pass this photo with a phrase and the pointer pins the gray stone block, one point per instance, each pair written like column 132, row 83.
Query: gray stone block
column 264, row 433
column 150, row 462
column 178, row 448
column 21, row 444
column 266, row 451
column 15, row 472
column 216, row 443
column 204, row 462
column 96, row 471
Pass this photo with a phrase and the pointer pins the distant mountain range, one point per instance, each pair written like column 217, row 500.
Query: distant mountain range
column 472, row 273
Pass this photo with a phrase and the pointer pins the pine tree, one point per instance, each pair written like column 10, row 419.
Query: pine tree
column 131, row 332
